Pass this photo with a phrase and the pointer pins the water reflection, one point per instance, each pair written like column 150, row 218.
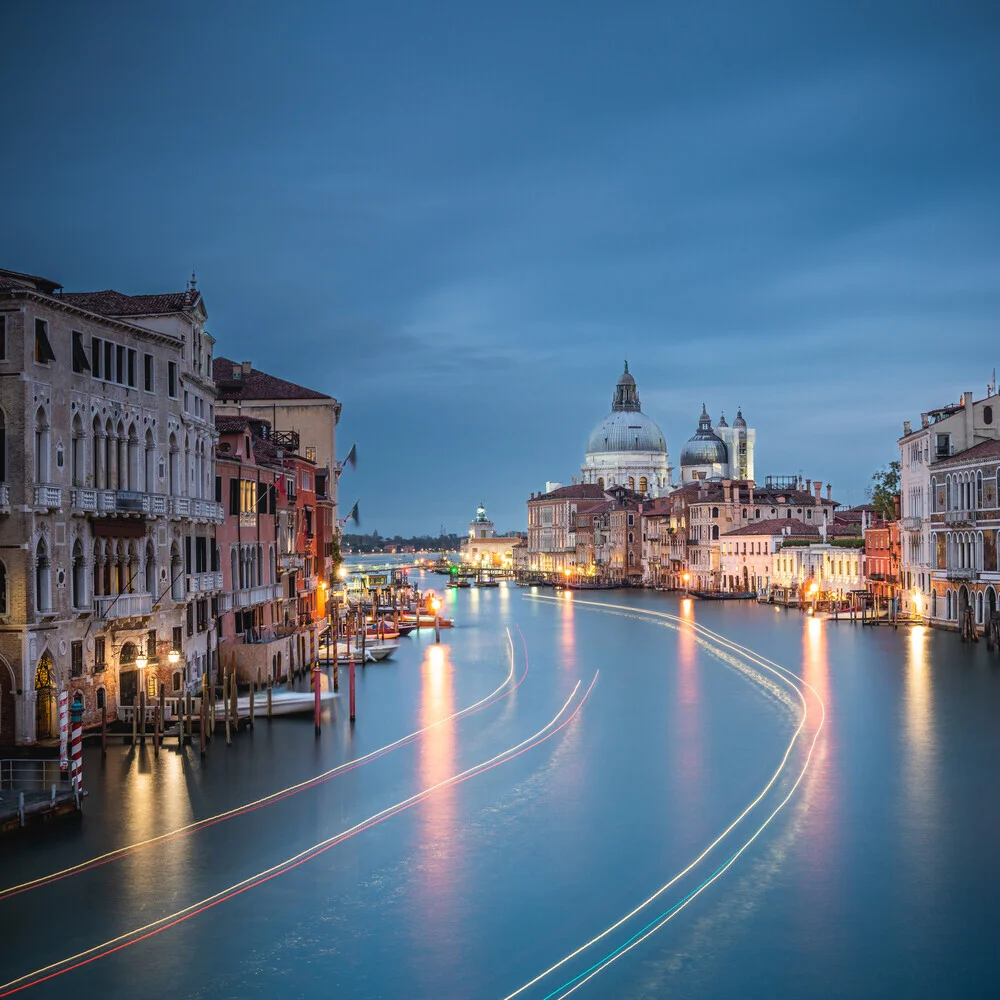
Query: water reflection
column 688, row 720
column 435, row 870
column 919, row 743
column 567, row 631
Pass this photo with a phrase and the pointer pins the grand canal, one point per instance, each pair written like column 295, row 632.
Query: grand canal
column 615, row 794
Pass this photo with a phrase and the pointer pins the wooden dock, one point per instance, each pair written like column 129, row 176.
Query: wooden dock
column 33, row 792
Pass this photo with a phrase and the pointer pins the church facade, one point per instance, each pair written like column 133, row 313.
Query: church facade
column 627, row 448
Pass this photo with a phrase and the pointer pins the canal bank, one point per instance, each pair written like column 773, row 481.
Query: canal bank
column 862, row 886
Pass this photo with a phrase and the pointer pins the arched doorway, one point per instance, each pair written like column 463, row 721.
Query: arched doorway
column 46, row 724
column 991, row 603
column 128, row 676
column 6, row 704
column 963, row 601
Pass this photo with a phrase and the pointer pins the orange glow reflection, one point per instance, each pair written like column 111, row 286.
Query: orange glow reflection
column 918, row 727
column 688, row 721
column 567, row 633
column 438, row 760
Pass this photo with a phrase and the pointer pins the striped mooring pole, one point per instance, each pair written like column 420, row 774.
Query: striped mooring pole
column 64, row 731
column 76, row 751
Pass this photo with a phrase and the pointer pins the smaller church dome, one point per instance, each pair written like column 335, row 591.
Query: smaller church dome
column 705, row 447
column 739, row 421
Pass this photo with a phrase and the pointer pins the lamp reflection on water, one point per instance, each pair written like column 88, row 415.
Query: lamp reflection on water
column 688, row 721
column 435, row 872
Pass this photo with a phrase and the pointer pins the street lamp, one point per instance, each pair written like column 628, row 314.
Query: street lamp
column 173, row 657
column 687, row 579
column 813, row 590
column 436, row 607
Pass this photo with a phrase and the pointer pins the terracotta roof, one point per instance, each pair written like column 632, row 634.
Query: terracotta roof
column 231, row 425
column 19, row 281
column 978, row 452
column 112, row 303
column 577, row 491
column 776, row 526
column 258, row 384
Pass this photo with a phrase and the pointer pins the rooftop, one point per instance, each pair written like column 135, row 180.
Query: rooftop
column 236, row 380
column 112, row 303
column 985, row 450
column 776, row 526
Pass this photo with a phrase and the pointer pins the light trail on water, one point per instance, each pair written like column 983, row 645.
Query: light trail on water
column 277, row 796
column 138, row 934
column 719, row 641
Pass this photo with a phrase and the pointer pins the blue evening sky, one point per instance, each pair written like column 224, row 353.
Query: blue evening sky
column 460, row 218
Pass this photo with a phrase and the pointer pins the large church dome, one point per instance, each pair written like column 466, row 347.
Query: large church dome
column 626, row 427
column 705, row 447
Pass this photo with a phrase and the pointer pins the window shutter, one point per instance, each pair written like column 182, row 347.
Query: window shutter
column 234, row 496
column 218, row 489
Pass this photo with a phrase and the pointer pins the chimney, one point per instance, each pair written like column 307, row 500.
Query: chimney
column 925, row 420
column 808, row 485
column 969, row 424
column 247, row 368
column 236, row 371
column 906, row 428
column 818, row 488
column 829, row 492
column 750, row 490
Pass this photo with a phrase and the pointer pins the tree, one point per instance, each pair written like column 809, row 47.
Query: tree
column 884, row 490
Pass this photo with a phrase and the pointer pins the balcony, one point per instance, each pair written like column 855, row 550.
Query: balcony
column 291, row 561
column 960, row 517
column 877, row 577
column 961, row 574
column 203, row 583
column 115, row 606
column 117, row 502
column 247, row 597
column 911, row 523
column 48, row 496
column 198, row 510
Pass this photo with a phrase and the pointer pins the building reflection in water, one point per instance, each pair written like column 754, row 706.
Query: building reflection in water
column 436, row 867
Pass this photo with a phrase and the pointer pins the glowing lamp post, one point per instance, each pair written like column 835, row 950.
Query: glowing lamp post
column 687, row 579
column 436, row 607
column 813, row 591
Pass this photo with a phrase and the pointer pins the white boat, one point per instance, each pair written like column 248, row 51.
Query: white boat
column 381, row 650
column 282, row 703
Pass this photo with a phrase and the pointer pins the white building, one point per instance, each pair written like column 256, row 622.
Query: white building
column 627, row 448
column 943, row 433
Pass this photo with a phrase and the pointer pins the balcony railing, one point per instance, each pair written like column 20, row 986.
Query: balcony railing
column 877, row 577
column 204, row 583
column 291, row 561
column 123, row 606
column 963, row 573
column 201, row 510
column 48, row 496
column 911, row 523
column 117, row 501
column 246, row 597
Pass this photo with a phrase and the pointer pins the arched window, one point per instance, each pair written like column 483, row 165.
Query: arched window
column 43, row 594
column 175, row 476
column 150, row 574
column 600, row 482
column 273, row 574
column 756, row 513
column 715, row 512
column 132, row 465
column 234, row 574
column 102, row 698
column 631, row 538
column 150, row 463
column 631, row 482
column 715, row 532
column 979, row 490
column 41, row 446
column 79, row 576
column 643, row 484
column 176, row 577
column 76, row 455
column 260, row 564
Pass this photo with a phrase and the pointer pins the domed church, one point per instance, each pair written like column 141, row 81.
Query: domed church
column 722, row 452
column 627, row 448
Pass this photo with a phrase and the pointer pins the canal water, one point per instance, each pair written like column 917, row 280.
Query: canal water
column 745, row 802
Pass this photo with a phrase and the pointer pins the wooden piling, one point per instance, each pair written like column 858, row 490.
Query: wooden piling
column 142, row 713
column 233, row 688
column 156, row 730
column 190, row 717
column 104, row 730
column 253, row 687
column 135, row 719
column 316, row 705
column 268, row 697
column 161, row 714
column 202, row 722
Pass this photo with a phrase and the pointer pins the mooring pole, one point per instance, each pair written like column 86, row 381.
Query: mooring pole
column 351, row 670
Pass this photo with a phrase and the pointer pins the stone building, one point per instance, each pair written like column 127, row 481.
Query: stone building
column 483, row 547
column 722, row 452
column 108, row 509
